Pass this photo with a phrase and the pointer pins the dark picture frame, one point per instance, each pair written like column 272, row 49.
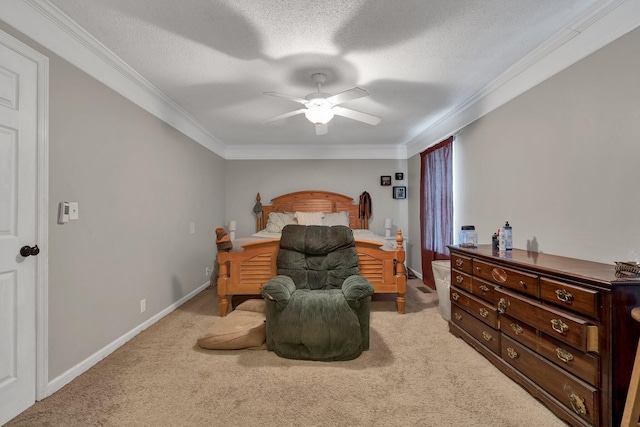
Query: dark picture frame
column 385, row 180
column 400, row 192
column 399, row 176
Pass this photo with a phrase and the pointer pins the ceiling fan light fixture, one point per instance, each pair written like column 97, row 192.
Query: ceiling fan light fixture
column 320, row 107
column 319, row 115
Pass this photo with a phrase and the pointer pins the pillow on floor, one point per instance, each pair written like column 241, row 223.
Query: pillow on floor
column 253, row 304
column 244, row 327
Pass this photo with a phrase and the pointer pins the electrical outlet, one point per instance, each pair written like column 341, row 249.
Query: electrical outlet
column 208, row 272
column 143, row 305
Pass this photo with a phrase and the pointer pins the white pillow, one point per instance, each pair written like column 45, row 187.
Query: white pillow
column 309, row 218
column 336, row 218
column 277, row 221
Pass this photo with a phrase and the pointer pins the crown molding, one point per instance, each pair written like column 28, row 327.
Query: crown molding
column 47, row 25
column 316, row 151
column 601, row 25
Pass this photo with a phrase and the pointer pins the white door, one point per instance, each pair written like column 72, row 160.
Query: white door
column 18, row 160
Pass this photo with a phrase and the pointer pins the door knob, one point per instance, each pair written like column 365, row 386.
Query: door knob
column 25, row 251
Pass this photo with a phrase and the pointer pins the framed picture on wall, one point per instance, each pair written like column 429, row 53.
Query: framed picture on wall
column 399, row 176
column 385, row 180
column 400, row 192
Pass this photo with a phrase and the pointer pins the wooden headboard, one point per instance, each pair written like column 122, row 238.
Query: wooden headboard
column 312, row 201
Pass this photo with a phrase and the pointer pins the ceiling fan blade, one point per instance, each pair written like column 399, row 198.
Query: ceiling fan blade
column 356, row 115
column 285, row 115
column 347, row 95
column 322, row 129
column 289, row 97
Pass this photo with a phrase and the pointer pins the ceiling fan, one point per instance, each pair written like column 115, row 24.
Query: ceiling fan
column 321, row 107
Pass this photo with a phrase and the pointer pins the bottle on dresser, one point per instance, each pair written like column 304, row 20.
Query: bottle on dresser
column 505, row 238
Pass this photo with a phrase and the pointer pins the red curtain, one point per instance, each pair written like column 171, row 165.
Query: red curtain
column 436, row 205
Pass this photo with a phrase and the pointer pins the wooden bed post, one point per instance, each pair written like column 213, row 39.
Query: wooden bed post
column 223, row 277
column 401, row 273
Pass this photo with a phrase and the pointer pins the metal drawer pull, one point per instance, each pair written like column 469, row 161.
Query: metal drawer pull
column 455, row 296
column 516, row 328
column 487, row 336
column 564, row 296
column 459, row 262
column 459, row 279
column 512, row 353
column 564, row 355
column 484, row 288
column 483, row 312
column 522, row 283
column 458, row 316
column 577, row 403
column 502, row 306
column 478, row 269
column 559, row 326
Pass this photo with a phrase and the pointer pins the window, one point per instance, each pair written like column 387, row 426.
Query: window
column 436, row 205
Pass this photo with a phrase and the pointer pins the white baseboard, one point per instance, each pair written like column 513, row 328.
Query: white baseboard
column 416, row 273
column 68, row 376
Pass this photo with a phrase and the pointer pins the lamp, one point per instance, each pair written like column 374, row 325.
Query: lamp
column 232, row 230
column 388, row 223
column 319, row 114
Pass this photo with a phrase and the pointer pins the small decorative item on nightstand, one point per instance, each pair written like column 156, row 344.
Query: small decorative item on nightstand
column 233, row 225
column 388, row 223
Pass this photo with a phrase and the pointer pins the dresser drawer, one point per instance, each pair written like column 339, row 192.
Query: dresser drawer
column 514, row 279
column 461, row 280
column 583, row 365
column 483, row 289
column 581, row 398
column 570, row 329
column 519, row 331
column 482, row 332
column 581, row 300
column 477, row 307
column 462, row 263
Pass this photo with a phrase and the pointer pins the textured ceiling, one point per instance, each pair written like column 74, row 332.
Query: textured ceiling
column 418, row 59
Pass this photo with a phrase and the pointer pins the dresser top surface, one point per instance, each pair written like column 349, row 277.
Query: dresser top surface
column 598, row 273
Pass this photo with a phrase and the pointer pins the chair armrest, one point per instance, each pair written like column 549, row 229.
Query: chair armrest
column 279, row 290
column 356, row 288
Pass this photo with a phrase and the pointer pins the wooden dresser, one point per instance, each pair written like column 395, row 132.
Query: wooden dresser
column 560, row 327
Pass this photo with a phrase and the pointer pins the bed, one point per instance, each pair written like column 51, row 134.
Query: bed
column 252, row 261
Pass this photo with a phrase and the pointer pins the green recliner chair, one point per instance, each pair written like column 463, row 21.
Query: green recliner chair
column 317, row 306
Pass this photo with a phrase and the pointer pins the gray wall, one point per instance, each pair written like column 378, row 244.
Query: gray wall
column 414, row 257
column 560, row 162
column 272, row 178
column 139, row 184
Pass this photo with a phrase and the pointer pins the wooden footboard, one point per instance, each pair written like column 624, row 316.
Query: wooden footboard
column 244, row 272
column 384, row 269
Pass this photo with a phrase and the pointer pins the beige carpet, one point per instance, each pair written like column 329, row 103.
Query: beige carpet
column 415, row 374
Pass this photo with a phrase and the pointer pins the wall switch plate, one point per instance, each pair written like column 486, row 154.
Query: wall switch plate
column 143, row 305
column 73, row 211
